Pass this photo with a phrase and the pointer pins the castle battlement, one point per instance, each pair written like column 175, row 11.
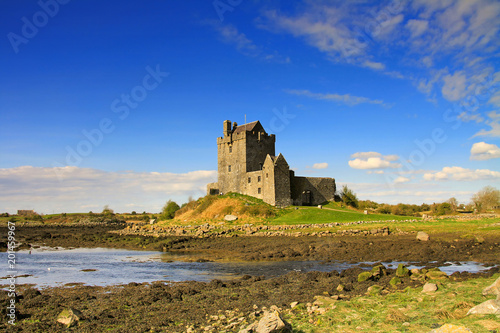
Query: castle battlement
column 247, row 164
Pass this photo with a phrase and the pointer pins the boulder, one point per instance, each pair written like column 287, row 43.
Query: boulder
column 493, row 289
column 378, row 271
column 402, row 271
column 374, row 290
column 449, row 328
column 491, row 306
column 429, row 287
column 422, row 236
column 230, row 217
column 272, row 322
column 395, row 281
column 69, row 317
column 436, row 274
column 365, row 276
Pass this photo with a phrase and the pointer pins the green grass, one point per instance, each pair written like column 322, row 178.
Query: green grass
column 406, row 311
column 306, row 215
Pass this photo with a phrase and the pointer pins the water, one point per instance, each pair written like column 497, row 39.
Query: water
column 46, row 267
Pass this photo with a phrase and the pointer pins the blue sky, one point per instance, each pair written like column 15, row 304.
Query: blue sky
column 120, row 103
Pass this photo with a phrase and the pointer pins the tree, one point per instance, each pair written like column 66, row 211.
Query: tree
column 453, row 203
column 349, row 197
column 107, row 211
column 168, row 211
column 487, row 198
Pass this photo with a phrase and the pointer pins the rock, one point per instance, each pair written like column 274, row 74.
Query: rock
column 395, row 281
column 272, row 322
column 493, row 289
column 374, row 290
column 294, row 304
column 69, row 317
column 364, row 276
column 449, row 328
column 230, row 217
column 491, row 306
column 429, row 287
column 436, row 274
column 378, row 271
column 340, row 287
column 422, row 236
column 402, row 271
column 324, row 300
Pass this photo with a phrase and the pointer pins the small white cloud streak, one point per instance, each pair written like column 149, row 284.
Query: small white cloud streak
column 345, row 99
column 461, row 174
column 320, row 165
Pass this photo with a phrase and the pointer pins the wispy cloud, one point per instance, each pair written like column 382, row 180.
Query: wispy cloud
column 229, row 34
column 333, row 97
column 493, row 123
column 452, row 43
column 73, row 189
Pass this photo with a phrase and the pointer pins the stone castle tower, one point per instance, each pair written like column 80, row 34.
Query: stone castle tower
column 247, row 164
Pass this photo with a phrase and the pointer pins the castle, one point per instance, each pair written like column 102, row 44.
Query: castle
column 247, row 164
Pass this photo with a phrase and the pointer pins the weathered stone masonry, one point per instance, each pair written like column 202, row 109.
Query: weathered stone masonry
column 247, row 164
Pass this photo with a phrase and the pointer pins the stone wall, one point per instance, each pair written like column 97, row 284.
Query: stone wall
column 269, row 193
column 320, row 190
column 258, row 146
column 282, row 182
column 231, row 154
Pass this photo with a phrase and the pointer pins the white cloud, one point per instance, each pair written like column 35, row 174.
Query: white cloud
column 345, row 99
column 484, row 151
column 461, row 174
column 320, row 165
column 373, row 160
column 401, row 179
column 73, row 189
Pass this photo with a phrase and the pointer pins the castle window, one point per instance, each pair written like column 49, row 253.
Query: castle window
column 249, row 180
column 259, row 190
column 267, row 175
column 258, row 178
column 229, row 168
column 260, row 166
column 230, row 149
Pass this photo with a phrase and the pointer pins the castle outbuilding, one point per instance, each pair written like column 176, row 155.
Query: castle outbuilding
column 247, row 164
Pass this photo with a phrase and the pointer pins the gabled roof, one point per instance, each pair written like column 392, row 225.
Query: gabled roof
column 253, row 126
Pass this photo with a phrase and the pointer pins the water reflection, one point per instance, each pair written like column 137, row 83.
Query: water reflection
column 46, row 267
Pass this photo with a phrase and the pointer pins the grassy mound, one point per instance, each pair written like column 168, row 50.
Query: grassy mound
column 214, row 207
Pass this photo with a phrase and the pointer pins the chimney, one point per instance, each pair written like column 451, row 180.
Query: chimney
column 227, row 127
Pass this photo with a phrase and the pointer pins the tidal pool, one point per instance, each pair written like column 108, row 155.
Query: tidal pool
column 49, row 267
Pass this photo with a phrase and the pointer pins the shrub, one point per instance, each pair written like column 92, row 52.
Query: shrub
column 168, row 211
column 349, row 197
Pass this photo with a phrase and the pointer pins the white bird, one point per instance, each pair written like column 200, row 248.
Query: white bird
column 48, row 269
